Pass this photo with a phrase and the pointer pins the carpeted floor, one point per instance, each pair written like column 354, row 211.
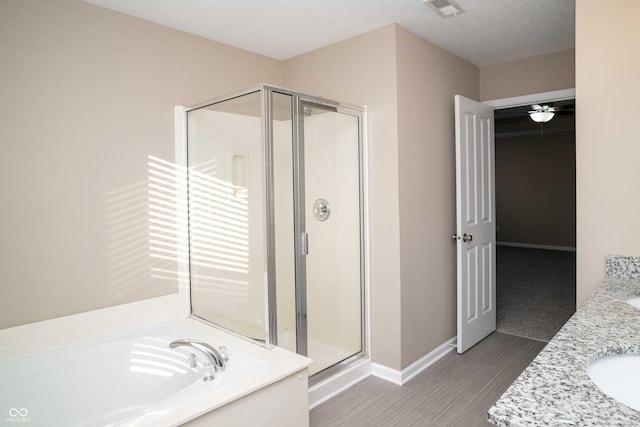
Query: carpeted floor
column 535, row 291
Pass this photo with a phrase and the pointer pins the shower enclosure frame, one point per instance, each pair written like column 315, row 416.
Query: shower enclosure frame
column 298, row 103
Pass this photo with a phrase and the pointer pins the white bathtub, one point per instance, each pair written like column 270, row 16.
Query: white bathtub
column 131, row 379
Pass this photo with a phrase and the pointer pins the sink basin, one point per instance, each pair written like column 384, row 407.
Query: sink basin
column 618, row 376
column 635, row 301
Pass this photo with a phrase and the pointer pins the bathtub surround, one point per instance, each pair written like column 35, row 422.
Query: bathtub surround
column 273, row 394
column 33, row 338
column 556, row 387
column 136, row 374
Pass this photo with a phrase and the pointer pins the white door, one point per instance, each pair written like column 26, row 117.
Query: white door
column 475, row 222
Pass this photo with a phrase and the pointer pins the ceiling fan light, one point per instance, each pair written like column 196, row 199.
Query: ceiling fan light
column 541, row 116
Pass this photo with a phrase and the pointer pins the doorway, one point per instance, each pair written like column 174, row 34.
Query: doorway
column 535, row 211
column 475, row 204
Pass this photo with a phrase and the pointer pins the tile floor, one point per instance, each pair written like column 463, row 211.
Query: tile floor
column 457, row 390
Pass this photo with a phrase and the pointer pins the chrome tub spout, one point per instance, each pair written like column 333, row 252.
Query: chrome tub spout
column 214, row 357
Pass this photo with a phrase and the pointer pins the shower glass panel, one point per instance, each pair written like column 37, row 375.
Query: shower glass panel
column 227, row 238
column 332, row 215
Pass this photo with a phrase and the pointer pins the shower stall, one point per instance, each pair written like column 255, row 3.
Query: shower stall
column 276, row 196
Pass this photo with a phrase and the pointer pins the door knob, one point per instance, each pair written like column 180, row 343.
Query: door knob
column 467, row 237
column 455, row 237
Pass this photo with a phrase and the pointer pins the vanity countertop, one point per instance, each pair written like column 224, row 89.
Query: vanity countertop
column 555, row 388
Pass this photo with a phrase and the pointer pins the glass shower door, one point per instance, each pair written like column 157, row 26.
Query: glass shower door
column 332, row 226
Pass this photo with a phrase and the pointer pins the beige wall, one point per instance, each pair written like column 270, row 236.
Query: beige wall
column 607, row 129
column 428, row 79
column 362, row 70
column 536, row 186
column 542, row 73
column 88, row 96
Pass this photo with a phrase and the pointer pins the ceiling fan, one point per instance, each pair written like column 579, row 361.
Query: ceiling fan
column 516, row 118
column 544, row 113
column 541, row 113
column 545, row 110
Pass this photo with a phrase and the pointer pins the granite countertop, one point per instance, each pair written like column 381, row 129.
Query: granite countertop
column 555, row 388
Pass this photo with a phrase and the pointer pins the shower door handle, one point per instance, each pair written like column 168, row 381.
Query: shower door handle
column 305, row 243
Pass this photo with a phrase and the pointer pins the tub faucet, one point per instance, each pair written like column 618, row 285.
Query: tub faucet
column 214, row 357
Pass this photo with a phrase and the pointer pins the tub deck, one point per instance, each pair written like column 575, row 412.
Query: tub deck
column 127, row 376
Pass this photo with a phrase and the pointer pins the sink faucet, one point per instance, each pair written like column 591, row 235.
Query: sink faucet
column 216, row 360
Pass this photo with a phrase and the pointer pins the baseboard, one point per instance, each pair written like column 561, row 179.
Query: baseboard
column 336, row 384
column 401, row 377
column 534, row 246
column 387, row 374
column 332, row 386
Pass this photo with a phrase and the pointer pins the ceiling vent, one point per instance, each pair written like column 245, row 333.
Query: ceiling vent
column 444, row 8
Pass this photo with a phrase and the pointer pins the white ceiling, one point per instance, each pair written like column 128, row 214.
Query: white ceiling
column 489, row 32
